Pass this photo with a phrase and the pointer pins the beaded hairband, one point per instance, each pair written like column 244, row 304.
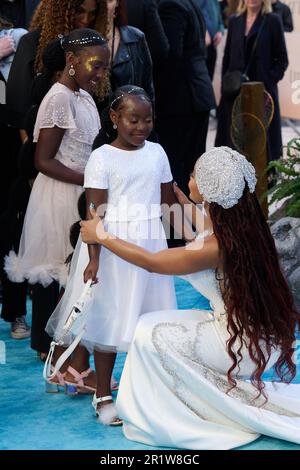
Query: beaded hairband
column 81, row 41
column 124, row 94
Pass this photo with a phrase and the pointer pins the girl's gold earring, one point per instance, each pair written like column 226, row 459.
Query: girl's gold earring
column 72, row 71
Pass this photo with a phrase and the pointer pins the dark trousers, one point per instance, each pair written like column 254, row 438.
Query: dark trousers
column 184, row 140
column 11, row 142
column 14, row 297
column 44, row 301
column 211, row 60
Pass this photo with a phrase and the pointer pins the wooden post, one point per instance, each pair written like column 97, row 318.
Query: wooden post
column 254, row 133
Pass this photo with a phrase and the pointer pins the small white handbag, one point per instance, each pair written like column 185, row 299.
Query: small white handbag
column 75, row 325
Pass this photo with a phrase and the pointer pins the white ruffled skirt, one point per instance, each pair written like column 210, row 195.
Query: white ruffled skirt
column 124, row 292
column 45, row 241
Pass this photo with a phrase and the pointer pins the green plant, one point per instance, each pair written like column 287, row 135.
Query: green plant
column 288, row 181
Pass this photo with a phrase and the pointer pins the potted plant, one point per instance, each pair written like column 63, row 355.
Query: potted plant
column 288, row 183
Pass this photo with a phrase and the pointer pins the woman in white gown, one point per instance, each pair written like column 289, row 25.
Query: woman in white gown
column 197, row 374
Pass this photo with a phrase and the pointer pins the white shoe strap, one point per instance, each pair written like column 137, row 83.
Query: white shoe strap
column 101, row 399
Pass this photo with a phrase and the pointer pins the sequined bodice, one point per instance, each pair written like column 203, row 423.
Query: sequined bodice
column 206, row 283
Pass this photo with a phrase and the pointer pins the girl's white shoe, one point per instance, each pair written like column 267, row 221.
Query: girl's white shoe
column 107, row 414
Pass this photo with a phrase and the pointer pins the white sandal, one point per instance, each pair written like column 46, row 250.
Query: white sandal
column 107, row 414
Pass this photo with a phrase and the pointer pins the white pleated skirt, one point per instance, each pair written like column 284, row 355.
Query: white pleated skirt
column 123, row 293
column 45, row 241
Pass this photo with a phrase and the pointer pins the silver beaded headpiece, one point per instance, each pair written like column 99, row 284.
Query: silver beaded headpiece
column 221, row 175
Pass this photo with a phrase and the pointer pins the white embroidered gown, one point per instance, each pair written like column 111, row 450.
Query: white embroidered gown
column 52, row 208
column 173, row 387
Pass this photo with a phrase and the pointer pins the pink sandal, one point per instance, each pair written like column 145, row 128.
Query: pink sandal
column 78, row 387
column 58, row 381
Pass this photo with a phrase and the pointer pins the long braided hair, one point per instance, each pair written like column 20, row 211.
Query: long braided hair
column 56, row 17
column 258, row 301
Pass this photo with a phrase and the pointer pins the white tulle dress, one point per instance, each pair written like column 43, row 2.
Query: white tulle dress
column 52, row 207
column 124, row 292
column 173, row 387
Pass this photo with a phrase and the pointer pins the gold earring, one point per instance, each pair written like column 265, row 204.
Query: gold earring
column 72, row 71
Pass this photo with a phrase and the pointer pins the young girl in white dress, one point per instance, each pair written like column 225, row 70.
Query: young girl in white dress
column 132, row 177
column 66, row 126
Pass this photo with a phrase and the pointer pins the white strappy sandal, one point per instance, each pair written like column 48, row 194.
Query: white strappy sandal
column 107, row 414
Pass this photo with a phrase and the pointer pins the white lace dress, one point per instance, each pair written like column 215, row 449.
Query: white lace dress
column 52, row 207
column 173, row 387
column 124, row 292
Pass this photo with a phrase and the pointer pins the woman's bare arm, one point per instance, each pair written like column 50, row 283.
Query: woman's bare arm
column 196, row 256
column 47, row 147
column 173, row 261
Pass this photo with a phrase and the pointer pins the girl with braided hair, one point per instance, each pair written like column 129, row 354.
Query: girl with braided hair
column 52, row 18
column 29, row 79
column 129, row 178
column 66, row 126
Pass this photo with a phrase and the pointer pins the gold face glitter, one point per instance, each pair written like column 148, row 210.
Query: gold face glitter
column 90, row 61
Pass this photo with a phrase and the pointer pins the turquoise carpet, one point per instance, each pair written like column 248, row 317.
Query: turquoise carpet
column 31, row 419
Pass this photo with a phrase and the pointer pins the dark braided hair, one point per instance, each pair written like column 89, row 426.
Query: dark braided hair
column 54, row 54
column 80, row 38
column 258, row 301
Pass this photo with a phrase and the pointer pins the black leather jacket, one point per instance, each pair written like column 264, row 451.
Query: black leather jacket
column 132, row 64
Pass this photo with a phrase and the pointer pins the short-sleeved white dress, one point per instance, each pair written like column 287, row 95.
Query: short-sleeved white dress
column 52, row 207
column 124, row 292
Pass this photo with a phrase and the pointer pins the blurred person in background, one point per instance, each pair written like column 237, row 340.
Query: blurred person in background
column 143, row 14
column 285, row 14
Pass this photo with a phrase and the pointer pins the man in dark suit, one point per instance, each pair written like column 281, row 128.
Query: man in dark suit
column 285, row 14
column 184, row 93
column 19, row 12
column 143, row 14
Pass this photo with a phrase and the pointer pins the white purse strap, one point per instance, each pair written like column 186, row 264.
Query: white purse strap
column 49, row 371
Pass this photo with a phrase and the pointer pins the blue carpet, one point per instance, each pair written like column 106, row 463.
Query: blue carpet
column 32, row 419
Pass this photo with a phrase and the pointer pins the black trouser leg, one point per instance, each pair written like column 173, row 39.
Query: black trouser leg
column 184, row 140
column 44, row 301
column 11, row 142
column 211, row 60
column 14, row 296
